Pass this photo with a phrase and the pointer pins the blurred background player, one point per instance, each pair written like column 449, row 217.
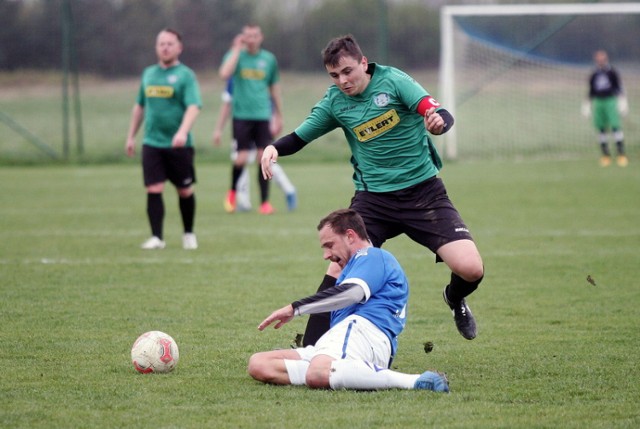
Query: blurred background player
column 168, row 102
column 243, row 194
column 256, row 105
column 368, row 305
column 606, row 103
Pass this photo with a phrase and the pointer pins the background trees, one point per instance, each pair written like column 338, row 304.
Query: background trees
column 115, row 37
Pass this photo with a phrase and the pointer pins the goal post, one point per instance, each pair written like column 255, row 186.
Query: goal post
column 514, row 76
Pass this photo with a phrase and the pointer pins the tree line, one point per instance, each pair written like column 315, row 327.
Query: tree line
column 116, row 37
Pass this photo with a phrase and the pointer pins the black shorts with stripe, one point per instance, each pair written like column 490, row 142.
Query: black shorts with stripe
column 173, row 164
column 423, row 212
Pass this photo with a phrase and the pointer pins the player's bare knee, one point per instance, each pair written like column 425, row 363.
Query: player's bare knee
column 470, row 268
column 257, row 367
column 473, row 273
column 185, row 192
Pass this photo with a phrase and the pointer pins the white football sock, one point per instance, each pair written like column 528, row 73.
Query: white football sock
column 297, row 370
column 281, row 179
column 243, row 194
column 361, row 375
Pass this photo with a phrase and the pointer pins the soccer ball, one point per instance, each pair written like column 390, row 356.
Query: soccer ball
column 154, row 351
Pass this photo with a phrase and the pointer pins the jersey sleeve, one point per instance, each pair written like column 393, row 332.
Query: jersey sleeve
column 141, row 98
column 192, row 91
column 319, row 122
column 367, row 271
column 409, row 91
column 275, row 72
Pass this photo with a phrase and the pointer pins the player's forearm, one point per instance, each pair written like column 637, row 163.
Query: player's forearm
column 223, row 117
column 289, row 144
column 189, row 118
column 229, row 66
column 276, row 97
column 330, row 299
column 137, row 114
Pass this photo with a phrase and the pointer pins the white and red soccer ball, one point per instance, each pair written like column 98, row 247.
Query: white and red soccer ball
column 154, row 351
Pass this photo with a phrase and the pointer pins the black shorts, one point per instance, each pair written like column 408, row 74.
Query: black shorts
column 423, row 212
column 173, row 164
column 249, row 134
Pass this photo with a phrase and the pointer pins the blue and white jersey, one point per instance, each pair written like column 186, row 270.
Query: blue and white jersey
column 386, row 292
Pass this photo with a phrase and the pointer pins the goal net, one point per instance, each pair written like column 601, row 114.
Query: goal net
column 515, row 76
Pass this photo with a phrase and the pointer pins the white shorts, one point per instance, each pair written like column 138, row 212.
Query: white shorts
column 353, row 338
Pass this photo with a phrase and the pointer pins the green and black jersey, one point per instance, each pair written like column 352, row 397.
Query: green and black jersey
column 165, row 94
column 253, row 77
column 391, row 149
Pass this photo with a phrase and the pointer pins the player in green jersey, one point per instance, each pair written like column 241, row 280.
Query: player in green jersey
column 256, row 105
column 386, row 117
column 168, row 103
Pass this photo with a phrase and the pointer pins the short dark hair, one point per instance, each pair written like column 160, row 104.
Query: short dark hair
column 172, row 31
column 340, row 47
column 343, row 219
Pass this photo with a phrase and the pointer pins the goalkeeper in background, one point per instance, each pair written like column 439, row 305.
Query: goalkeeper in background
column 606, row 103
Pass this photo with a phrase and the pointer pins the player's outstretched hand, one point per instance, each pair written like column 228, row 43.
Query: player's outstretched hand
column 269, row 156
column 283, row 315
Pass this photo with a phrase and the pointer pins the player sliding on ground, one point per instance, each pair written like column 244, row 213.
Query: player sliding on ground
column 368, row 305
column 387, row 117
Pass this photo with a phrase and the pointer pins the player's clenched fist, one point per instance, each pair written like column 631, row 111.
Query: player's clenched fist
column 433, row 122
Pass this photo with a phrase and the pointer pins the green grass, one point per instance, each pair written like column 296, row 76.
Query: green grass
column 36, row 105
column 75, row 292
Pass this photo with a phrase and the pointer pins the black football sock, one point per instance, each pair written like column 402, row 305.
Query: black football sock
column 318, row 323
column 188, row 212
column 620, row 147
column 236, row 172
column 264, row 187
column 459, row 288
column 155, row 213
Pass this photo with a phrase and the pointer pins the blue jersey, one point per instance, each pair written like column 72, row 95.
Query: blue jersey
column 386, row 292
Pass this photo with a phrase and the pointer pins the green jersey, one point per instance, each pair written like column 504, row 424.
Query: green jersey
column 252, row 79
column 165, row 95
column 390, row 147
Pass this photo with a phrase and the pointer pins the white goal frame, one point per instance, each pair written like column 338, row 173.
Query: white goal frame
column 447, row 16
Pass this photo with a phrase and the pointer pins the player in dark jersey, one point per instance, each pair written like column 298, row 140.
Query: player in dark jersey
column 607, row 101
column 368, row 305
column 386, row 117
column 169, row 103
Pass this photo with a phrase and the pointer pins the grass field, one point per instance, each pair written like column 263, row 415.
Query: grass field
column 553, row 350
column 34, row 103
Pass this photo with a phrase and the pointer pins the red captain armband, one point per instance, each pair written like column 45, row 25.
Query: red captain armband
column 427, row 103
